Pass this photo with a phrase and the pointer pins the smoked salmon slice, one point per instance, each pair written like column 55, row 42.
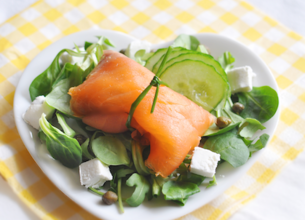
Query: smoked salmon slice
column 104, row 99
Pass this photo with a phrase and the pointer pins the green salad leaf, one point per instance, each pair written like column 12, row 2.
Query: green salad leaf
column 142, row 188
column 187, row 41
column 192, row 178
column 259, row 144
column 201, row 48
column 230, row 147
column 179, row 191
column 61, row 147
column 226, row 61
column 226, row 112
column 137, row 156
column 59, row 97
column 213, row 182
column 68, row 131
column 261, row 103
column 110, row 151
column 43, row 83
column 85, row 150
column 249, row 126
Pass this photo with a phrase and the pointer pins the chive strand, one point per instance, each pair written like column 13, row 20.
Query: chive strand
column 169, row 50
column 155, row 82
column 120, row 195
column 135, row 104
column 155, row 99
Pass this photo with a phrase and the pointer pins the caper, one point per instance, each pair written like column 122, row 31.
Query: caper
column 223, row 122
column 123, row 51
column 238, row 107
column 80, row 138
column 109, row 197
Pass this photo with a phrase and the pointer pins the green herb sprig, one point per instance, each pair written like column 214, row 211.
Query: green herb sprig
column 154, row 82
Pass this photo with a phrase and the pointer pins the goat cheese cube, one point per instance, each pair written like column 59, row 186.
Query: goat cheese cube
column 34, row 112
column 135, row 46
column 204, row 162
column 94, row 173
column 240, row 79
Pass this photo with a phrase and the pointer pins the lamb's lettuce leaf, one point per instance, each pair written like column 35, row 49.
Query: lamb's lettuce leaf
column 186, row 41
column 43, row 83
column 61, row 147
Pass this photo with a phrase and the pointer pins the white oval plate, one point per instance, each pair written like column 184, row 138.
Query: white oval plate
column 67, row 180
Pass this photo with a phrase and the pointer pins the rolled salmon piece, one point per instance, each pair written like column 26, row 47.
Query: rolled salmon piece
column 103, row 101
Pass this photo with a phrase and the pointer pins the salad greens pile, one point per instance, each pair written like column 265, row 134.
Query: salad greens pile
column 125, row 156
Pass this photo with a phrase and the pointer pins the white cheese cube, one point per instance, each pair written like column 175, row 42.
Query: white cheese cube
column 34, row 112
column 204, row 162
column 94, row 173
column 240, row 79
column 135, row 46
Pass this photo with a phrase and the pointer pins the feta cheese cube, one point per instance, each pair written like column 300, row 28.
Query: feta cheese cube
column 94, row 173
column 135, row 46
column 240, row 79
column 204, row 162
column 34, row 112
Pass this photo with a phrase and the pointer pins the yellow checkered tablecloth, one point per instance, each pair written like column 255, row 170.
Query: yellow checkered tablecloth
column 23, row 36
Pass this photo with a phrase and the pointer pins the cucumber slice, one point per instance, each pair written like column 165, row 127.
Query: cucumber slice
column 194, row 55
column 206, row 58
column 157, row 56
column 172, row 55
column 198, row 81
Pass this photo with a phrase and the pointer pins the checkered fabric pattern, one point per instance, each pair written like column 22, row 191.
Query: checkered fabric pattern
column 23, row 36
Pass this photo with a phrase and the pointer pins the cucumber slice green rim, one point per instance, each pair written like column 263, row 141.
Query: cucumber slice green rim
column 198, row 81
column 173, row 54
column 152, row 60
column 195, row 55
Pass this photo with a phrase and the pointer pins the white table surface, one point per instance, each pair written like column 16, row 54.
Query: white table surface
column 282, row 199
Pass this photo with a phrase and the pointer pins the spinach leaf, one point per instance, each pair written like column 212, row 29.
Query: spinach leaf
column 259, row 144
column 125, row 138
column 110, row 151
column 186, row 41
column 179, row 191
column 142, row 188
column 59, row 97
column 261, row 103
column 192, row 178
column 43, row 83
column 62, row 147
column 249, row 126
column 226, row 61
column 230, row 147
